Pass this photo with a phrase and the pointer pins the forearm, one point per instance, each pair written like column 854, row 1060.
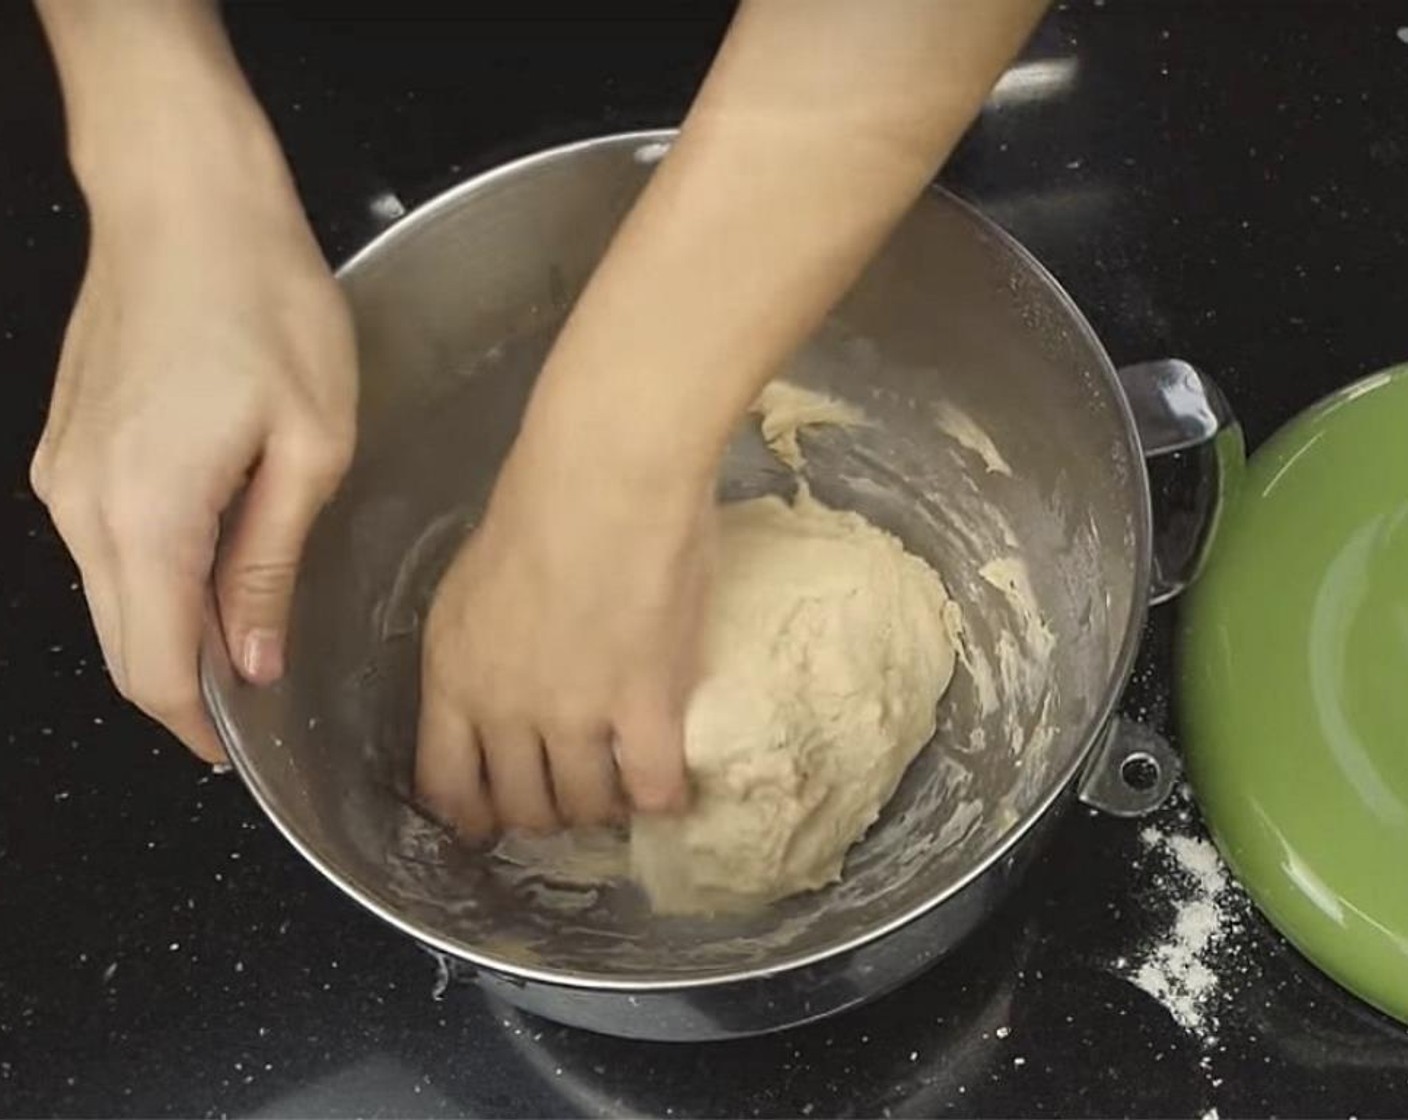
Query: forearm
column 819, row 124
column 155, row 100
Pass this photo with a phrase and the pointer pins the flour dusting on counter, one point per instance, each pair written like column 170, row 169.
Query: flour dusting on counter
column 1187, row 967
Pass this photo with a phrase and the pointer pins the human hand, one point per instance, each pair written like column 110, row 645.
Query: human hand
column 209, row 349
column 560, row 650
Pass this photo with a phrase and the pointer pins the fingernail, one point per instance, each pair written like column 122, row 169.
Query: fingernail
column 262, row 656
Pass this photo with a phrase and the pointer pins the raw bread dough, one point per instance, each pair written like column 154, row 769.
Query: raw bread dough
column 784, row 409
column 827, row 650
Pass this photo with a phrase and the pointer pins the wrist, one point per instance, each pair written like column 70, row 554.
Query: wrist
column 157, row 107
column 640, row 436
column 157, row 152
column 582, row 465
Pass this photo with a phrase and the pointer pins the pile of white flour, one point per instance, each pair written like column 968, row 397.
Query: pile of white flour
column 1187, row 966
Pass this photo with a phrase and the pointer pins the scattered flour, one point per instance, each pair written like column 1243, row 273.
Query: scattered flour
column 1182, row 968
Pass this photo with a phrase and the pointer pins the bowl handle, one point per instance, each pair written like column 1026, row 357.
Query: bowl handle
column 1178, row 408
column 1132, row 771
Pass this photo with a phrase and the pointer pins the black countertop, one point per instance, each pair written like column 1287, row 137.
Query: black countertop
column 1220, row 182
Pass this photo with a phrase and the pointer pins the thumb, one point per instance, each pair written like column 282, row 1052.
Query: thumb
column 258, row 566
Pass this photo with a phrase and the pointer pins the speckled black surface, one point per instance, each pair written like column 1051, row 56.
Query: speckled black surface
column 1224, row 182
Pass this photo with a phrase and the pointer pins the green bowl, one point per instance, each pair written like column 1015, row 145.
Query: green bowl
column 1293, row 686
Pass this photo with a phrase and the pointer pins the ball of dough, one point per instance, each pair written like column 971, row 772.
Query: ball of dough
column 827, row 649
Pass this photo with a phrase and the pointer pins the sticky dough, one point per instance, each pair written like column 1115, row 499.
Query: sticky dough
column 827, row 650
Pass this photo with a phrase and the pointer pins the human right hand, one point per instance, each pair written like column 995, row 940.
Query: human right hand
column 210, row 352
column 563, row 642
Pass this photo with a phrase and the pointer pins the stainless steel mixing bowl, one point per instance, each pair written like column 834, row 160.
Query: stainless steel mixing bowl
column 999, row 431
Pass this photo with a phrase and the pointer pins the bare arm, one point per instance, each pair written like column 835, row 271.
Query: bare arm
column 819, row 124
column 563, row 641
column 151, row 78
column 208, row 346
